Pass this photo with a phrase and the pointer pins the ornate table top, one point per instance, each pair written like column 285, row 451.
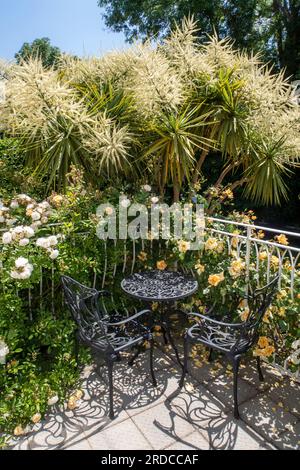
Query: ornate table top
column 159, row 286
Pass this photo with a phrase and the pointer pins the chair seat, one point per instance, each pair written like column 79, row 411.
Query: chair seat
column 120, row 337
column 215, row 336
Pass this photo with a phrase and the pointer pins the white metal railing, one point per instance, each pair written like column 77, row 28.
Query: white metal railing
column 247, row 242
column 247, row 245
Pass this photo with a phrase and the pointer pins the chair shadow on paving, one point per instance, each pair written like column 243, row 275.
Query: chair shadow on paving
column 205, row 404
column 63, row 428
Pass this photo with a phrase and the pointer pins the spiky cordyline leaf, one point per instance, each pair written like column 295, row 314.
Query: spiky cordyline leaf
column 267, row 171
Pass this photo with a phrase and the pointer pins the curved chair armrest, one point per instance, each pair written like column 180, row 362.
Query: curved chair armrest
column 133, row 317
column 103, row 292
column 216, row 322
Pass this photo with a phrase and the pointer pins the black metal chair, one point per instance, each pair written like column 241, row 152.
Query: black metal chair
column 106, row 333
column 232, row 339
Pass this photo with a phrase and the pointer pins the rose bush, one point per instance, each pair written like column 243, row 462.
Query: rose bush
column 36, row 331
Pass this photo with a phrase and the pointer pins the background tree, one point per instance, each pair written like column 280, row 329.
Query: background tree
column 42, row 49
column 271, row 27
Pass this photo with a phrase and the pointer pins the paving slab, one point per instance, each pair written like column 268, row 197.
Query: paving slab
column 196, row 416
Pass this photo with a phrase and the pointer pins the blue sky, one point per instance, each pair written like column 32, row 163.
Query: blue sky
column 75, row 26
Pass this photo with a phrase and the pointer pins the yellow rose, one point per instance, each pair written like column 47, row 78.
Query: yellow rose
column 19, row 431
column 72, row 403
column 282, row 239
column 245, row 314
column 298, row 296
column 183, row 246
column 263, row 255
column 269, row 350
column 236, row 268
column 161, row 265
column 78, row 394
column 143, row 256
column 199, row 268
column 211, row 244
column 281, row 312
column 282, row 294
column 36, row 418
column 264, row 349
column 274, row 260
column 227, row 193
column 215, row 279
column 263, row 342
column 220, row 247
column 57, row 200
column 235, row 240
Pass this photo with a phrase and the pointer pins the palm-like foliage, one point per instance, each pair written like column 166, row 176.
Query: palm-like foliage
column 177, row 136
column 265, row 174
column 52, row 153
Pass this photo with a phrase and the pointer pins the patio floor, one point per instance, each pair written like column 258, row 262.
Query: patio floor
column 196, row 417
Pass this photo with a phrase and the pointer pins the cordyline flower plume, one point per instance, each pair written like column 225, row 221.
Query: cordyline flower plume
column 159, row 109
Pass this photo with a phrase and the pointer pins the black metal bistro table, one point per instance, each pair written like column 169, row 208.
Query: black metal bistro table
column 165, row 288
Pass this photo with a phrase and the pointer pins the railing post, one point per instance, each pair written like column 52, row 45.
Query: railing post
column 248, row 253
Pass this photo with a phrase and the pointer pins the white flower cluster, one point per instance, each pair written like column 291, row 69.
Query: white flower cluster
column 4, row 215
column 20, row 234
column 49, row 244
column 39, row 213
column 23, row 269
column 4, row 350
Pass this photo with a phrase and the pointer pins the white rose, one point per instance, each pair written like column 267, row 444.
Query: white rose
column 28, row 232
column 53, row 400
column 54, row 254
column 7, row 238
column 43, row 243
column 2, row 219
column 15, row 275
column 19, row 230
column 24, row 242
column 53, row 240
column 36, row 225
column 35, row 216
column 45, row 205
column 109, row 211
column 125, row 203
column 147, row 188
column 21, row 262
column 24, row 197
column 14, row 205
column 154, row 200
column 27, row 271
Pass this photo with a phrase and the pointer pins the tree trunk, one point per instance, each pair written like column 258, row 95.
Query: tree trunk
column 176, row 192
column 199, row 165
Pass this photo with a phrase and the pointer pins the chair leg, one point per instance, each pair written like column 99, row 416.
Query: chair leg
column 111, row 389
column 185, row 362
column 258, row 363
column 236, row 364
column 164, row 332
column 210, row 357
column 151, row 363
